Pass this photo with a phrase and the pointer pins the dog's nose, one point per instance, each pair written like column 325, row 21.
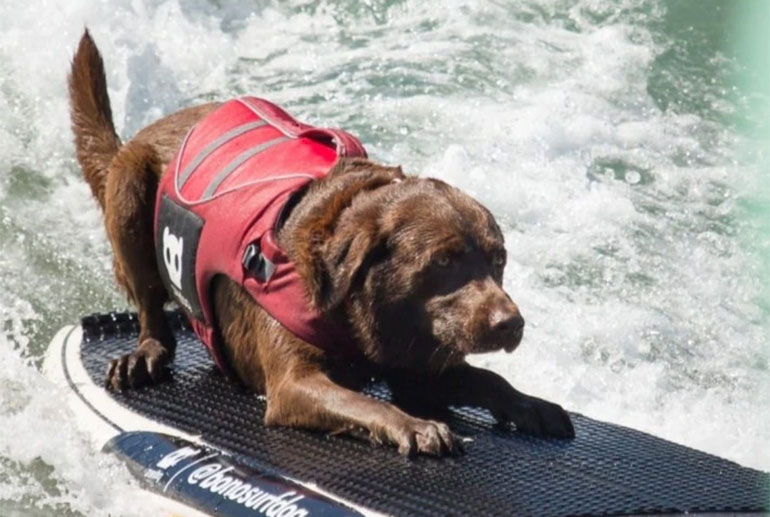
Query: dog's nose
column 505, row 322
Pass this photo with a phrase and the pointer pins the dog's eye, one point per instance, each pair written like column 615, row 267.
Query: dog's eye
column 498, row 260
column 443, row 260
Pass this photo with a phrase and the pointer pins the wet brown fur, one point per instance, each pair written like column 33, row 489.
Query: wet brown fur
column 411, row 267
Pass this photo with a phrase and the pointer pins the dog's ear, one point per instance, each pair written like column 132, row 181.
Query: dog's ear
column 333, row 263
column 331, row 255
column 349, row 255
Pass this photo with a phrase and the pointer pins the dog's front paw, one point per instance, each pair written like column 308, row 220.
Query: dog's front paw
column 417, row 436
column 145, row 365
column 535, row 416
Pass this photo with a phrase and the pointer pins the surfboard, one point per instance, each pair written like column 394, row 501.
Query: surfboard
column 198, row 442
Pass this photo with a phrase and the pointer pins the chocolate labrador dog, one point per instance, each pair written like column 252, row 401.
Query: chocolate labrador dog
column 407, row 270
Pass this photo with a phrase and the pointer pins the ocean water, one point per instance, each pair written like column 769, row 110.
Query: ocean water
column 622, row 145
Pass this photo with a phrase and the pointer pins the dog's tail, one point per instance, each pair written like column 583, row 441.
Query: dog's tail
column 95, row 139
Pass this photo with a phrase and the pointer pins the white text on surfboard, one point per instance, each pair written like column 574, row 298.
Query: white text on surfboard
column 214, row 478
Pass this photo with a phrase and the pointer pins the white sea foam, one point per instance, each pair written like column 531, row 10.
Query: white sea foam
column 622, row 219
column 47, row 465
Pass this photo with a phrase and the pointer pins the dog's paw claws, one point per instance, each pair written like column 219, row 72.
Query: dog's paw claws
column 553, row 421
column 145, row 365
column 537, row 417
column 417, row 436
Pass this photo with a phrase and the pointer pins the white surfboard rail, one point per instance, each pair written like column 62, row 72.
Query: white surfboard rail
column 98, row 414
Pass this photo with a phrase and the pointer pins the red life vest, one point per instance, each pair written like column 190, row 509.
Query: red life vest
column 218, row 205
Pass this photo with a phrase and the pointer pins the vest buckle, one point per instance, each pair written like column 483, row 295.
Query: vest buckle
column 256, row 264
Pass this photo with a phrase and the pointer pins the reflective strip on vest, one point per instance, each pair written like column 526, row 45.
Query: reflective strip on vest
column 224, row 173
column 213, row 146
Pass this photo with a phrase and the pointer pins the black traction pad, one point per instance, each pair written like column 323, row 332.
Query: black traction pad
column 605, row 470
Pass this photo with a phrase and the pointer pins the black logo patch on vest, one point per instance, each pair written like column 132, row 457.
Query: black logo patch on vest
column 177, row 234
